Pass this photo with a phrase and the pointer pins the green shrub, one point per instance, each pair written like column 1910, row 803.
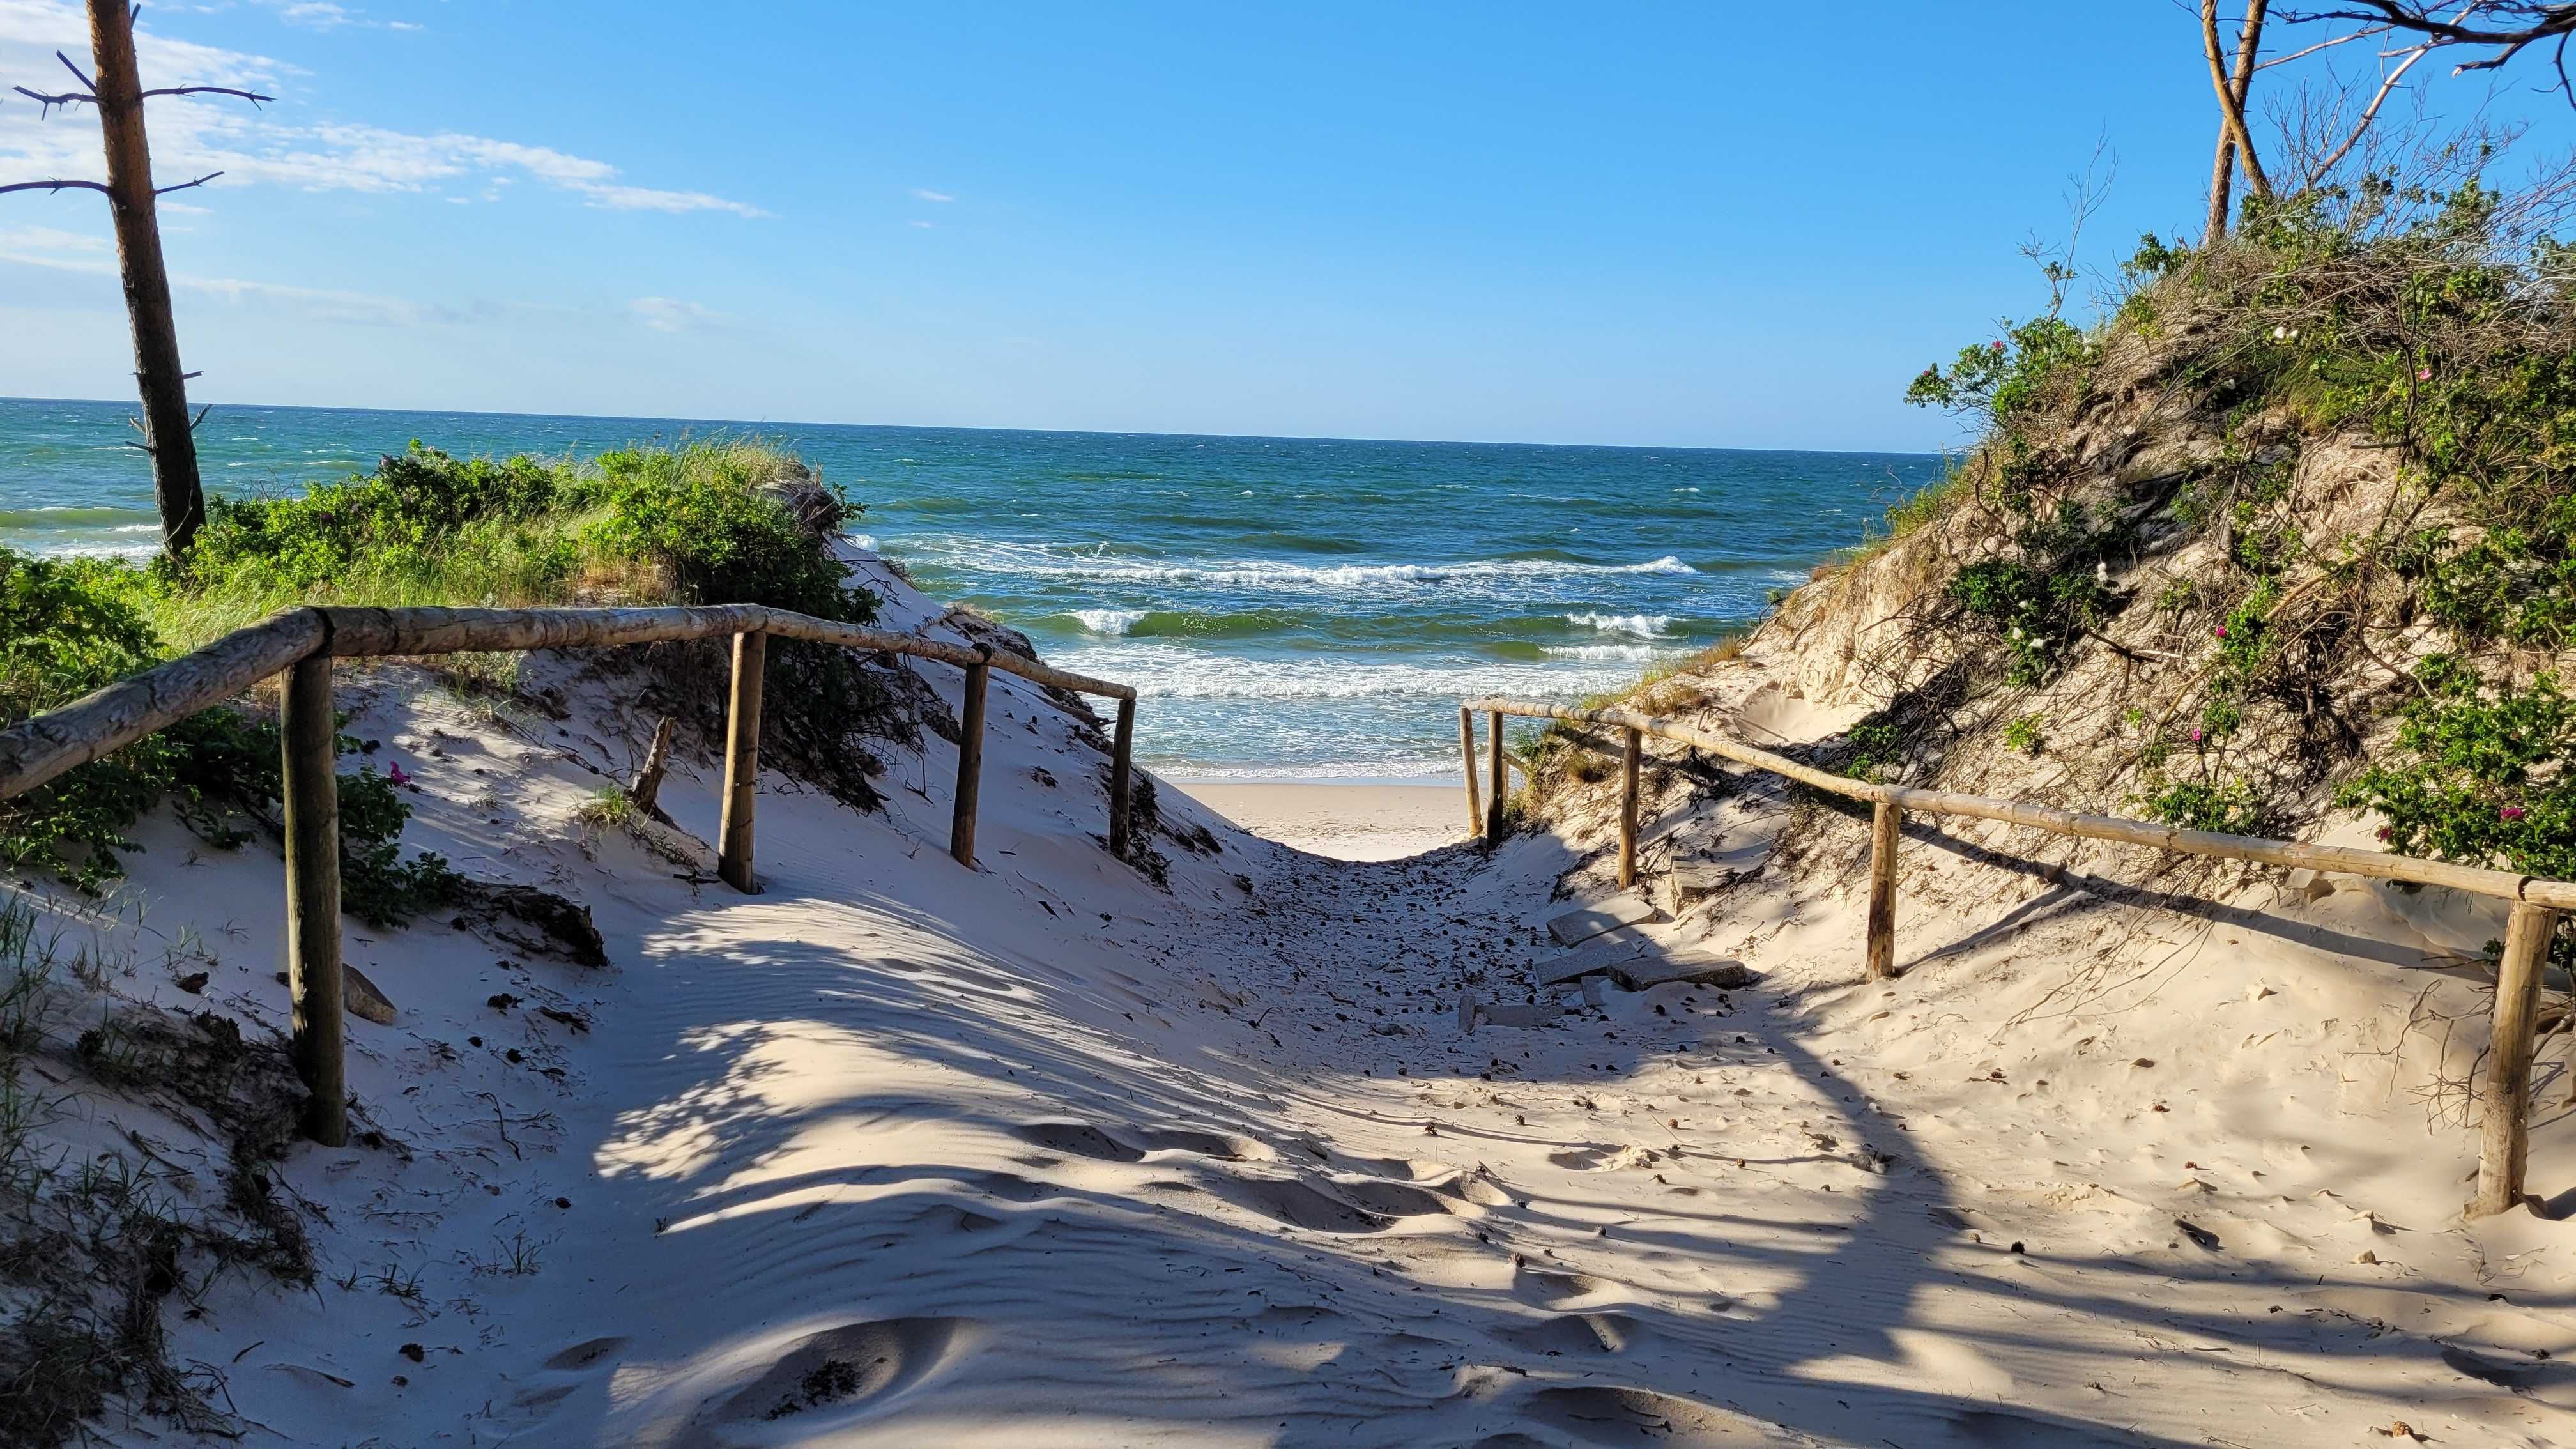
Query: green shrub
column 2227, row 806
column 2480, row 775
column 2036, row 614
column 1879, row 750
column 2010, row 376
column 70, row 626
column 2023, row 734
column 699, row 511
column 691, row 524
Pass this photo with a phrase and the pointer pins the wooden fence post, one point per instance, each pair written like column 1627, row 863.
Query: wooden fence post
column 1121, row 766
column 970, row 759
column 1499, row 784
column 1628, row 808
column 1885, row 827
column 1467, row 753
column 2504, row 1099
column 311, row 739
column 742, row 761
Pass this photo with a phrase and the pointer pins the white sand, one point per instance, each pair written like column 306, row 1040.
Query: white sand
column 1346, row 822
column 1044, row 1155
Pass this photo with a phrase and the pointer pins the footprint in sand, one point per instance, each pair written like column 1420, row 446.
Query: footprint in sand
column 1396, row 1199
column 566, row 1371
column 832, row 1372
column 1606, row 1415
column 1079, row 1139
column 1575, row 1333
column 1223, row 1145
column 1546, row 1290
column 1298, row 1204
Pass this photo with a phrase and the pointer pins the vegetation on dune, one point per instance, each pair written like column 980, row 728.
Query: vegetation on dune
column 2290, row 527
column 704, row 522
column 2413, row 333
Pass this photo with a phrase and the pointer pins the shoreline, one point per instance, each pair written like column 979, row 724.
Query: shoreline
column 1342, row 819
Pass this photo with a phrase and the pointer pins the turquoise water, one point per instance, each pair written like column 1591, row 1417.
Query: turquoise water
column 1290, row 608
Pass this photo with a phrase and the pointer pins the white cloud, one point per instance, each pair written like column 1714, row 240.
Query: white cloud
column 46, row 238
column 670, row 314
column 924, row 225
column 25, row 249
column 193, row 136
column 321, row 14
column 922, row 194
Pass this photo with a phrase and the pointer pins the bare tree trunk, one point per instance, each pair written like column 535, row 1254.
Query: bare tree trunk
column 2222, row 176
column 167, row 435
column 2234, row 140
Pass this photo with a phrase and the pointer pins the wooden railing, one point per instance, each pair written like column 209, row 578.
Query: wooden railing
column 2505, row 1093
column 301, row 643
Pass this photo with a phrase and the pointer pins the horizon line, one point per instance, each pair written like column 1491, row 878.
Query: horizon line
column 1075, row 432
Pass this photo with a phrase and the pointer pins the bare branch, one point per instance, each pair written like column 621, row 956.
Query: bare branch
column 253, row 97
column 184, row 185
column 98, row 186
column 2533, row 21
column 49, row 102
column 2363, row 33
column 2369, row 113
column 87, row 84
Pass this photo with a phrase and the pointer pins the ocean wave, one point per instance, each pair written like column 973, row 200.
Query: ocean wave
column 1634, row 652
column 1395, row 770
column 1177, row 672
column 1644, row 626
column 1108, row 621
column 1044, row 561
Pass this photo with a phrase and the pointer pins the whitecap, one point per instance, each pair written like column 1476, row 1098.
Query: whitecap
column 1644, row 626
column 1604, row 651
column 1108, row 621
column 1162, row 670
column 1066, row 561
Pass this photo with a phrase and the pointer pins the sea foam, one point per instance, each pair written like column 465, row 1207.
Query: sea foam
column 1108, row 621
column 1643, row 626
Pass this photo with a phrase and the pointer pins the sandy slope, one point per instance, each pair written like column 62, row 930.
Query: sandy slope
column 1041, row 1154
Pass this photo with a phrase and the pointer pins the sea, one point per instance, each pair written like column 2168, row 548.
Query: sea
column 1288, row 608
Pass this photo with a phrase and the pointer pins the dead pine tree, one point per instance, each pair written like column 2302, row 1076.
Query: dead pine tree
column 2235, row 142
column 117, row 94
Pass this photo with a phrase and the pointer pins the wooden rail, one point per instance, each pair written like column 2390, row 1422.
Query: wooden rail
column 301, row 643
column 2505, row 1094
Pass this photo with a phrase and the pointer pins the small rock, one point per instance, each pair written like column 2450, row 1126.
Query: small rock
column 2367, row 1256
column 193, row 983
column 414, row 1352
column 363, row 999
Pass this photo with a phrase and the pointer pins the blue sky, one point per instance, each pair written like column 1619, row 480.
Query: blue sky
column 1618, row 224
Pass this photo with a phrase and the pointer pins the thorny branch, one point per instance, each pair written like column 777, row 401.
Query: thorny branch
column 88, row 95
column 2504, row 28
